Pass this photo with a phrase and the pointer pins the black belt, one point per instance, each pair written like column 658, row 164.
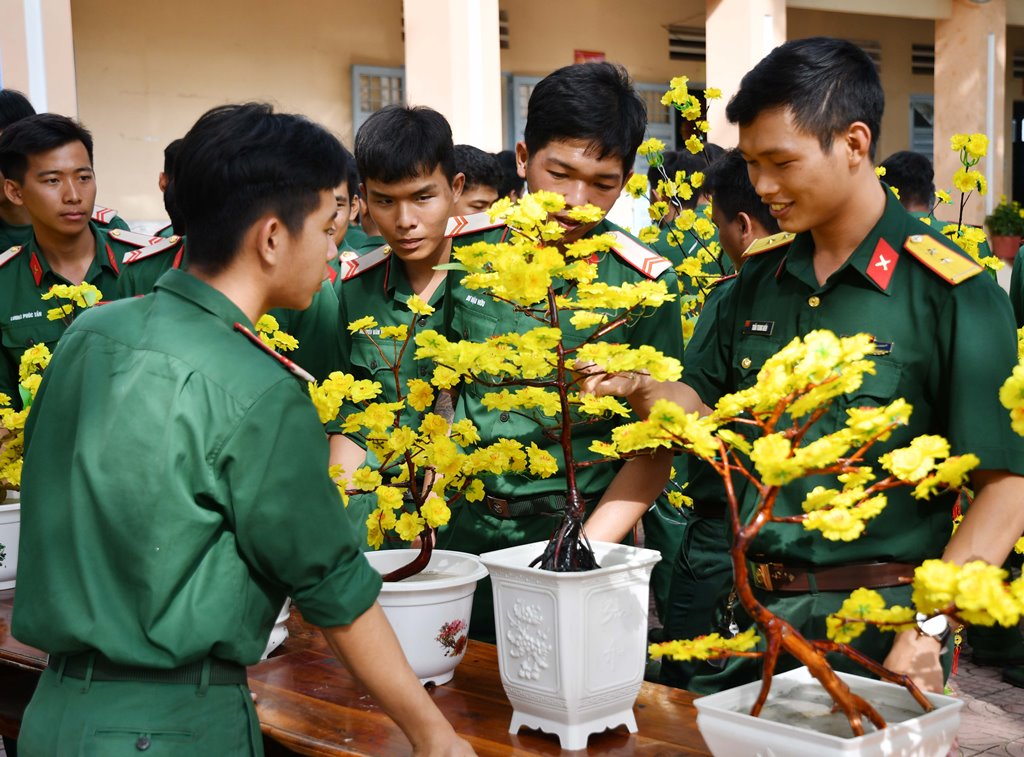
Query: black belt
column 221, row 672
column 520, row 508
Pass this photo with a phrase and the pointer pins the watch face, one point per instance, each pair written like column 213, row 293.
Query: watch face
column 936, row 626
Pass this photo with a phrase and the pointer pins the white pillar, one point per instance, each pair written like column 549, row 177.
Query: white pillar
column 37, row 54
column 970, row 95
column 739, row 33
column 453, row 65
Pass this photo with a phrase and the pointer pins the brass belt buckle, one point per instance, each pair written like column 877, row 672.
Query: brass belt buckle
column 763, row 576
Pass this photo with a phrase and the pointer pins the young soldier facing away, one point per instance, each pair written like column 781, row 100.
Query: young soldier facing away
column 584, row 125
column 407, row 163
column 809, row 115
column 483, row 178
column 154, row 581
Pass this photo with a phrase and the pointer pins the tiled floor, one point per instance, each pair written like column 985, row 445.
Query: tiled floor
column 992, row 720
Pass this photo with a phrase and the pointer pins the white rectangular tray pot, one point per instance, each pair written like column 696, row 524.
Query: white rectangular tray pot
column 571, row 646
column 811, row 730
column 10, row 530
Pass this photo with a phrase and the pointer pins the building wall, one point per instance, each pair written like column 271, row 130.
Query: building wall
column 146, row 70
column 896, row 36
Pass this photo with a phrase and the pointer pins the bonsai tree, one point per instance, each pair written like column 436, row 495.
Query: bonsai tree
column 763, row 435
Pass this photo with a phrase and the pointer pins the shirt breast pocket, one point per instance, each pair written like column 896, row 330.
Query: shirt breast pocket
column 367, row 360
column 876, row 389
column 19, row 336
column 749, row 358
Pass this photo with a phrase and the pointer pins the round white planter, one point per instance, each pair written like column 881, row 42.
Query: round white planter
column 571, row 646
column 796, row 697
column 430, row 611
column 10, row 528
column 280, row 630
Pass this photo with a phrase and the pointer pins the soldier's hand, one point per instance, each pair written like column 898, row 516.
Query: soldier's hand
column 917, row 656
column 452, row 746
column 595, row 380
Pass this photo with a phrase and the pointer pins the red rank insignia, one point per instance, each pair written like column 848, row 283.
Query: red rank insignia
column 36, row 269
column 882, row 264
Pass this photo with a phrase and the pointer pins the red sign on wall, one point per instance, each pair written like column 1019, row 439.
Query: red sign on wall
column 587, row 56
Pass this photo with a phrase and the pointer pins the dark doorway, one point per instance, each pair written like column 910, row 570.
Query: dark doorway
column 1017, row 150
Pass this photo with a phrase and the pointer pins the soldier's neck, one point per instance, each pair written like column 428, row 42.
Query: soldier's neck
column 14, row 215
column 68, row 256
column 836, row 240
column 423, row 279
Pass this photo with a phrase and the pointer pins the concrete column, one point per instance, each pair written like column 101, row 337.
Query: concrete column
column 970, row 76
column 453, row 64
column 37, row 54
column 739, row 34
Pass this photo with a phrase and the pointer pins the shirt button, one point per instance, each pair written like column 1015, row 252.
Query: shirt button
column 422, row 320
column 504, row 417
column 814, row 300
column 746, row 362
column 373, row 364
column 142, row 744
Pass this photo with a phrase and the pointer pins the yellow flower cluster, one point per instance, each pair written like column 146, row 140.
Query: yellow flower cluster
column 707, row 647
column 977, row 592
column 969, row 239
column 72, row 298
column 12, row 448
column 973, row 147
column 864, row 607
column 269, row 332
column 1011, row 395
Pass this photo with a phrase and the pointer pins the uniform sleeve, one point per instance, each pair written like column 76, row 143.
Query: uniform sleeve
column 977, row 349
column 1017, row 288
column 663, row 328
column 706, row 362
column 289, row 519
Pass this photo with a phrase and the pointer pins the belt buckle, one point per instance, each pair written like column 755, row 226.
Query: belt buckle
column 763, row 576
column 498, row 506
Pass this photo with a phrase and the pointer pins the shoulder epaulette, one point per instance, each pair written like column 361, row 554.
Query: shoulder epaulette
column 291, row 367
column 355, row 266
column 134, row 237
column 459, row 226
column 642, row 258
column 952, row 266
column 165, row 243
column 10, row 254
column 722, row 279
column 103, row 215
column 764, row 244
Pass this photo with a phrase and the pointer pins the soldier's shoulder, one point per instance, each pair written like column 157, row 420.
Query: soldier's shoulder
column 356, row 266
column 941, row 257
column 153, row 247
column 10, row 254
column 465, row 226
column 775, row 242
column 635, row 253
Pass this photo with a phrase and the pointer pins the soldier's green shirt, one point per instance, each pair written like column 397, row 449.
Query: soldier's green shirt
column 945, row 348
column 382, row 292
column 477, row 317
column 20, row 234
column 176, row 491
column 1017, row 288
column 24, row 279
column 312, row 327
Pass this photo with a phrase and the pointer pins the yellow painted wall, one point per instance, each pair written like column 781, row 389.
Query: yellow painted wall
column 544, row 33
column 896, row 36
column 146, row 70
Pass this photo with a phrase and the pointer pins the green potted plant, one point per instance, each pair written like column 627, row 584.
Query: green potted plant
column 1006, row 227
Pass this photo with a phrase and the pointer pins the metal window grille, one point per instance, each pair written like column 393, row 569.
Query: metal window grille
column 687, row 43
column 373, row 88
column 503, row 29
column 922, row 60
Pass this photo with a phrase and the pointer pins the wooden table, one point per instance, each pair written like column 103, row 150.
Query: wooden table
column 307, row 702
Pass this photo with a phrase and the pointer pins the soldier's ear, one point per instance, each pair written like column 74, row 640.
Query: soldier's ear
column 12, row 189
column 268, row 238
column 522, row 158
column 458, row 184
column 858, row 143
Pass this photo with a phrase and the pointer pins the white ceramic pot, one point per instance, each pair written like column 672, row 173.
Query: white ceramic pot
column 10, row 528
column 430, row 611
column 280, row 630
column 797, row 721
column 571, row 646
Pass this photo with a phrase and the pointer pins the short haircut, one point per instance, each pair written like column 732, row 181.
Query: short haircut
column 826, row 83
column 654, row 172
column 170, row 154
column 398, row 143
column 351, row 175
column 240, row 162
column 14, row 106
column 727, row 182
column 33, row 135
column 480, row 168
column 688, row 163
column 594, row 102
column 913, row 176
column 511, row 181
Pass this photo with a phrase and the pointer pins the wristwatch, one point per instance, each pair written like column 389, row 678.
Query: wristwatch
column 936, row 628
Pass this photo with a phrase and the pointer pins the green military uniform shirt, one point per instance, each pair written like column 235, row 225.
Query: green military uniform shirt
column 25, row 277
column 1017, row 288
column 313, row 327
column 945, row 348
column 176, row 491
column 477, row 317
column 21, row 234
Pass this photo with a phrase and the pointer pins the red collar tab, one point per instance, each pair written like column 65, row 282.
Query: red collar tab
column 36, row 268
column 113, row 261
column 882, row 264
column 292, row 368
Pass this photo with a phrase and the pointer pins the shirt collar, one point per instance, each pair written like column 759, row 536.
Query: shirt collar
column 103, row 258
column 213, row 301
column 397, row 286
column 874, row 258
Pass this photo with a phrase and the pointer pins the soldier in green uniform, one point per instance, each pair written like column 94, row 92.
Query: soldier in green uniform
column 483, row 178
column 153, row 582
column 346, row 195
column 47, row 162
column 407, row 163
column 702, row 568
column 1017, row 288
column 165, row 182
column 584, row 125
column 858, row 263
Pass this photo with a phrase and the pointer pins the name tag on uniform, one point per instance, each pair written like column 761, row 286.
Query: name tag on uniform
column 764, row 328
column 882, row 348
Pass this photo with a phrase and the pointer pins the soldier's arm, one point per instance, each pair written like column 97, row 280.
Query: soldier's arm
column 346, row 453
column 636, row 485
column 361, row 646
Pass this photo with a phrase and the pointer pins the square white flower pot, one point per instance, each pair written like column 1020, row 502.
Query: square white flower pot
column 812, row 730
column 571, row 646
column 10, row 530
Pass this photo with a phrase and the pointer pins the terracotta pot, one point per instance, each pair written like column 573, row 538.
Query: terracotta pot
column 1005, row 247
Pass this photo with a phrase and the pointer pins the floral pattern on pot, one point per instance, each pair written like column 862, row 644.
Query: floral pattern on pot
column 453, row 637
